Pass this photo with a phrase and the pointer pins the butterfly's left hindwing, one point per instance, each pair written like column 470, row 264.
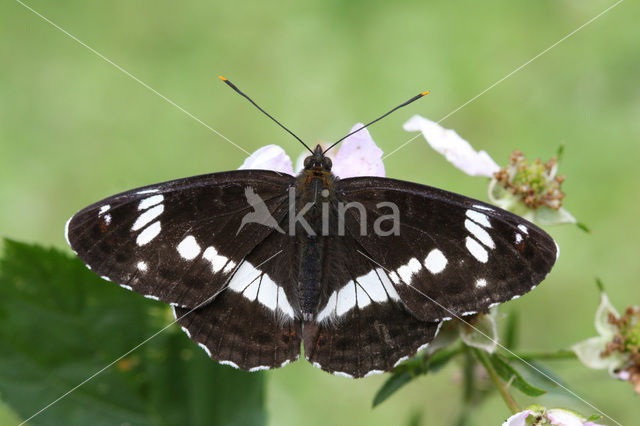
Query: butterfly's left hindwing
column 176, row 241
column 453, row 255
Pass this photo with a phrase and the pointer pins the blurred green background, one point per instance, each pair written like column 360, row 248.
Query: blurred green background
column 74, row 129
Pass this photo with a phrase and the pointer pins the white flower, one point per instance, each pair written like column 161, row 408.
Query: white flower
column 269, row 157
column 589, row 351
column 518, row 419
column 529, row 190
column 456, row 150
column 358, row 156
column 537, row 415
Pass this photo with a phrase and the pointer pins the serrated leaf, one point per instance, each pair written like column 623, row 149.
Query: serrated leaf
column 60, row 324
column 513, row 377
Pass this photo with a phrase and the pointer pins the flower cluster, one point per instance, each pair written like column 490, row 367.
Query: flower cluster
column 537, row 415
column 536, row 184
column 529, row 190
column 617, row 346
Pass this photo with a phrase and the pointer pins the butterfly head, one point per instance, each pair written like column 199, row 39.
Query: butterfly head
column 317, row 161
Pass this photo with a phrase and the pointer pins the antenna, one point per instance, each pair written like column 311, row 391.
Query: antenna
column 233, row 86
column 415, row 98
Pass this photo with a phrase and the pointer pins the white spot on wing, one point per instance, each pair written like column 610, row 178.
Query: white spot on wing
column 149, row 233
column 283, row 303
column 147, row 217
column 404, row 358
column 258, row 368
column 479, row 218
column 374, row 372
column 394, row 277
column 423, row 347
column 435, row 261
column 142, row 266
column 104, row 277
column 388, row 286
column 104, row 209
column 481, row 283
column 477, row 250
column 206, row 349
column 523, row 229
column 346, row 298
column 518, row 238
column 252, row 291
column 217, row 261
column 188, row 248
column 229, row 363
column 150, row 201
column 66, row 231
column 343, row 374
column 268, row 294
column 128, row 287
column 407, row 271
column 515, row 297
column 151, row 296
column 107, row 219
column 147, row 191
column 363, row 298
column 478, row 206
column 480, row 234
column 372, row 285
column 557, row 250
column 185, row 330
column 329, row 309
column 229, row 267
column 244, row 275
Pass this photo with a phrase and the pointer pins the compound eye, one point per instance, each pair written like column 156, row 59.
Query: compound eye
column 326, row 163
column 307, row 162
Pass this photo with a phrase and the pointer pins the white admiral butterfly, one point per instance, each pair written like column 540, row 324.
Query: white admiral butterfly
column 256, row 262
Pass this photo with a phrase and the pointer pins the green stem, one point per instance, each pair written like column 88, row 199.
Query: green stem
column 497, row 381
column 561, row 354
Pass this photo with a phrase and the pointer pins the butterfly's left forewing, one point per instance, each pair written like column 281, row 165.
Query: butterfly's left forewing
column 452, row 255
column 177, row 241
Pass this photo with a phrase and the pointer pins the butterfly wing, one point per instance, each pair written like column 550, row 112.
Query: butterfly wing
column 363, row 327
column 178, row 241
column 452, row 255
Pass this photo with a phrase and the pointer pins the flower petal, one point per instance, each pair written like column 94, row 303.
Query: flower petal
column 358, row 156
column 456, row 150
column 518, row 419
column 604, row 328
column 269, row 157
column 588, row 352
column 485, row 326
column 564, row 417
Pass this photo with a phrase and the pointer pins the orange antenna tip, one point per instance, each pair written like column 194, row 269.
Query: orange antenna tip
column 425, row 93
column 222, row 78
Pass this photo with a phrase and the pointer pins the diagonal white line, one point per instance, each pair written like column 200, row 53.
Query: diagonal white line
column 510, row 74
column 454, row 315
column 127, row 73
column 136, row 347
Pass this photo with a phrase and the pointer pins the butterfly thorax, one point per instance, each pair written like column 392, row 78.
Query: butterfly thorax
column 314, row 197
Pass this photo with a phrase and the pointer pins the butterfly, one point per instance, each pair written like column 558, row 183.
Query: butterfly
column 360, row 271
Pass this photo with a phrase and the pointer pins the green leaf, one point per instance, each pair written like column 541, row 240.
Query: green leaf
column 411, row 369
column 511, row 376
column 60, row 324
column 511, row 330
column 397, row 380
column 583, row 227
